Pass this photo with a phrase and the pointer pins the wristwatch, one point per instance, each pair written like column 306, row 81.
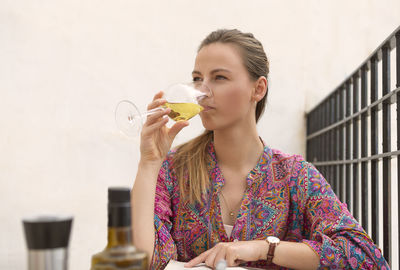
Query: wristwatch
column 272, row 243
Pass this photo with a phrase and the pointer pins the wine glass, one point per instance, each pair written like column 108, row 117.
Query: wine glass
column 182, row 98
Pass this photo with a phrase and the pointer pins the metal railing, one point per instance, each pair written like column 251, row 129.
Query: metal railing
column 350, row 139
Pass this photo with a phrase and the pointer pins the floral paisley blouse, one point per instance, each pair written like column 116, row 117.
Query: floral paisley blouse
column 286, row 197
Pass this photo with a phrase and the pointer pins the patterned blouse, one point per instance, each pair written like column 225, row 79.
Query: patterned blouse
column 286, row 197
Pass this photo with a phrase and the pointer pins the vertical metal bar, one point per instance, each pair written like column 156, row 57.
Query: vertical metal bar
column 317, row 128
column 323, row 134
column 387, row 221
column 313, row 124
column 314, row 149
column 326, row 146
column 348, row 146
column 331, row 140
column 356, row 87
column 308, row 133
column 309, row 124
column 312, row 129
column 398, row 62
column 341, row 144
column 335, row 139
column 319, row 136
column 398, row 128
column 374, row 150
column 323, row 113
column 338, row 145
column 364, row 150
column 322, row 137
column 326, row 141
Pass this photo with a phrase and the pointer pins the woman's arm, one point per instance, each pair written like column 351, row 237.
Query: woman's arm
column 330, row 229
column 155, row 142
column 142, row 205
column 293, row 255
column 287, row 254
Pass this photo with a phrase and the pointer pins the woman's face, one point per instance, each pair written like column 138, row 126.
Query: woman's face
column 220, row 67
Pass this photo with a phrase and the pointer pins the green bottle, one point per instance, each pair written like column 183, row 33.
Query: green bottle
column 119, row 254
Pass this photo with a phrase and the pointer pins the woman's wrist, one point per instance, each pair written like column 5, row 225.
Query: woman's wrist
column 263, row 248
column 295, row 255
column 146, row 176
column 150, row 164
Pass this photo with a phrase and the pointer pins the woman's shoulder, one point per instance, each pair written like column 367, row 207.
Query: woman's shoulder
column 298, row 171
column 287, row 165
column 279, row 156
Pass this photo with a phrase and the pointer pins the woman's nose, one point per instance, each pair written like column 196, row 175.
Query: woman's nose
column 204, row 88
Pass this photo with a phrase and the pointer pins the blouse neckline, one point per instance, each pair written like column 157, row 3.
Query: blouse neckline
column 253, row 176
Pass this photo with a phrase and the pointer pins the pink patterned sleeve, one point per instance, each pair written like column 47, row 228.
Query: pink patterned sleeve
column 331, row 231
column 164, row 245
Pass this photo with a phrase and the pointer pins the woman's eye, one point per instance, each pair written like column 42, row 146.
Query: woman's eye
column 196, row 79
column 220, row 77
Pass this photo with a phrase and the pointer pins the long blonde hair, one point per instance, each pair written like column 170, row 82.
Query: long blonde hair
column 190, row 159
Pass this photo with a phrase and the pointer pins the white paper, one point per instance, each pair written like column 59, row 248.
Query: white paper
column 175, row 265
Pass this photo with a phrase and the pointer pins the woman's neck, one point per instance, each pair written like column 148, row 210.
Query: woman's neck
column 238, row 148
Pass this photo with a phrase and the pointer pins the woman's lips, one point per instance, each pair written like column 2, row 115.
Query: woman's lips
column 207, row 108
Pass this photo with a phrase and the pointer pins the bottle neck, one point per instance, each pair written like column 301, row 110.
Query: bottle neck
column 119, row 225
column 119, row 236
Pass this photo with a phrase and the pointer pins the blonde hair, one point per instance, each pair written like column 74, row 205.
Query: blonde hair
column 190, row 160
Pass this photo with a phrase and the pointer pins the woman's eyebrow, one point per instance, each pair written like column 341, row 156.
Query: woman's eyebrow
column 220, row 69
column 196, row 72
column 213, row 71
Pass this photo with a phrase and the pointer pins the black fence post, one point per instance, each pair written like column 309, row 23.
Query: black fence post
column 356, row 87
column 387, row 198
column 364, row 149
column 374, row 149
column 348, row 145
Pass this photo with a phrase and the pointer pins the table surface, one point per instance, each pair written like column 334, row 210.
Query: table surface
column 175, row 265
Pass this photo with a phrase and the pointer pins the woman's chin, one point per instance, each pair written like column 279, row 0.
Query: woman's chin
column 208, row 124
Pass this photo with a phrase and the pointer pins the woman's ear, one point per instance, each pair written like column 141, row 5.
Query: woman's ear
column 260, row 89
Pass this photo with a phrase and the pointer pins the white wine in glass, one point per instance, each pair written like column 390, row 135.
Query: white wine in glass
column 183, row 100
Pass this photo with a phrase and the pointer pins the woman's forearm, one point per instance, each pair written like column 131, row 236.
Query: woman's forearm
column 142, row 204
column 293, row 255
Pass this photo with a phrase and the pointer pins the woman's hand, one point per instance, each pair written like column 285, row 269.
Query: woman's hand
column 234, row 253
column 156, row 138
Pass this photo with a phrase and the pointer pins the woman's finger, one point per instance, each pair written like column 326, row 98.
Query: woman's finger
column 156, row 103
column 231, row 257
column 211, row 257
column 158, row 95
column 199, row 259
column 178, row 126
column 219, row 256
column 151, row 119
column 150, row 129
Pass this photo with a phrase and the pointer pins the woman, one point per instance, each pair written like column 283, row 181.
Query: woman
column 222, row 194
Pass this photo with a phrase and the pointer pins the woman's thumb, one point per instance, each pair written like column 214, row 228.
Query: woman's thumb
column 178, row 126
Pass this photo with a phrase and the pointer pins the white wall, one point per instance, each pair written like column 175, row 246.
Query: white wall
column 65, row 64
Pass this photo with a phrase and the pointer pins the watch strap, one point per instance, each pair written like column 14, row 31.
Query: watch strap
column 271, row 252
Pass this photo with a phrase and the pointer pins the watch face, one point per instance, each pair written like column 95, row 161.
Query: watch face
column 273, row 240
